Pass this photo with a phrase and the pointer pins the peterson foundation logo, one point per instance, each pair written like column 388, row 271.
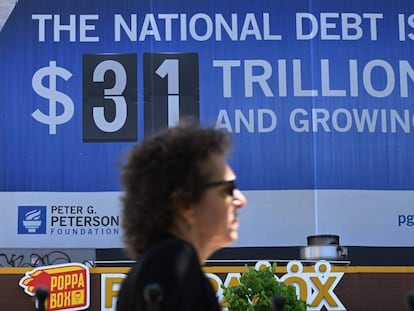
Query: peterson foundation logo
column 68, row 285
column 31, row 220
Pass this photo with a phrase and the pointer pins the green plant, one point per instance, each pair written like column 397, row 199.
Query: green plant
column 256, row 289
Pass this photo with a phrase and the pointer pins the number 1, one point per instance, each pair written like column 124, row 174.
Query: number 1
column 169, row 67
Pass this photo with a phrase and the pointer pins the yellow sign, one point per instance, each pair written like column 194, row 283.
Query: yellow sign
column 316, row 286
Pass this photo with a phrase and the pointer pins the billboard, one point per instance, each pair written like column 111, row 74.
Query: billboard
column 316, row 94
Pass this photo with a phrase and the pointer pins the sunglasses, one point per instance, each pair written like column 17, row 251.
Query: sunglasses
column 231, row 185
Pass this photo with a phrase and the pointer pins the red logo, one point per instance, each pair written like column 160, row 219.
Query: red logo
column 68, row 285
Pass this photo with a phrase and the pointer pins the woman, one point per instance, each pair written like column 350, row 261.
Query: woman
column 180, row 205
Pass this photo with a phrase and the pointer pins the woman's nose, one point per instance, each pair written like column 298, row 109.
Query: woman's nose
column 239, row 200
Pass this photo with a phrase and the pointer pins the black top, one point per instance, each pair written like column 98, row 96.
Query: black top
column 172, row 265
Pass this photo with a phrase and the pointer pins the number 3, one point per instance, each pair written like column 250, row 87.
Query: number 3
column 114, row 94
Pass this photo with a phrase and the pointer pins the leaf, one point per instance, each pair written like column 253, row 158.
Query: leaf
column 256, row 289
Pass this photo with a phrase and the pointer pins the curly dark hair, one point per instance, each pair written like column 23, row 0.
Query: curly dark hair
column 157, row 167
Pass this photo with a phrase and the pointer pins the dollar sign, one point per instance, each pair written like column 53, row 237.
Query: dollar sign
column 54, row 96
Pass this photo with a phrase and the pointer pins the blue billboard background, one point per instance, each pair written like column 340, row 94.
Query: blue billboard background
column 261, row 80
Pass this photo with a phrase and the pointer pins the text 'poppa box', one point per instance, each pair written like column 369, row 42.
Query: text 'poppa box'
column 68, row 285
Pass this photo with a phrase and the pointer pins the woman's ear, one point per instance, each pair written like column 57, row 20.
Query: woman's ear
column 182, row 207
